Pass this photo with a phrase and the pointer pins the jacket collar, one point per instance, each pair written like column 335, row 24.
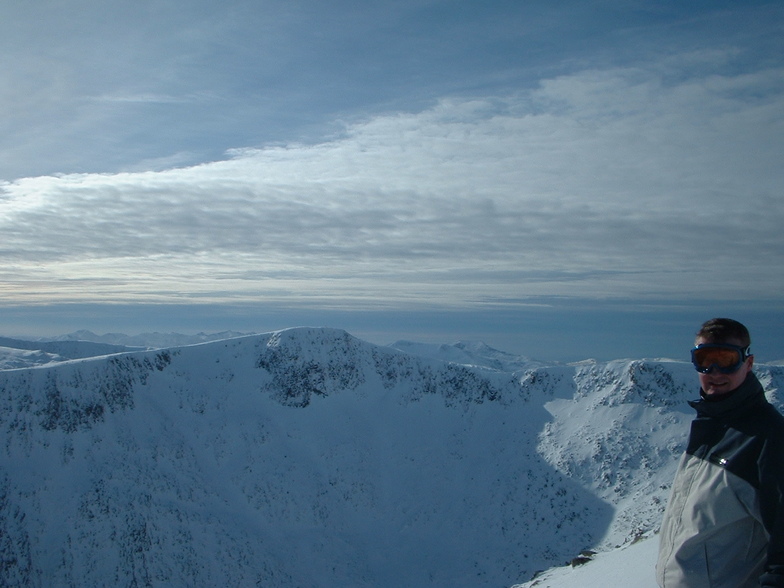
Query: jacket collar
column 749, row 394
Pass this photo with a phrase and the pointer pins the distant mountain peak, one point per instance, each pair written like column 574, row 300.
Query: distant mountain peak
column 148, row 340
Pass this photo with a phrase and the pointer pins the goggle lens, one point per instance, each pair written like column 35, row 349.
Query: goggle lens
column 727, row 359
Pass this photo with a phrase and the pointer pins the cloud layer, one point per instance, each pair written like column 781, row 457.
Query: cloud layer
column 645, row 183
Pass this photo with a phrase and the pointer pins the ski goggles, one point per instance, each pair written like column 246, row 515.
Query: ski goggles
column 726, row 358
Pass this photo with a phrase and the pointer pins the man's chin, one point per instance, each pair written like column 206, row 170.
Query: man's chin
column 717, row 389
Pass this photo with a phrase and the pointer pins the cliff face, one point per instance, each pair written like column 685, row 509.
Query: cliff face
column 307, row 457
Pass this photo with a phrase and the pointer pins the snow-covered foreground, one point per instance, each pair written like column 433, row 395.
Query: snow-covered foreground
column 307, row 457
column 630, row 566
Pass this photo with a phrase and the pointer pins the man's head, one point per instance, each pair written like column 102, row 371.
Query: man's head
column 722, row 346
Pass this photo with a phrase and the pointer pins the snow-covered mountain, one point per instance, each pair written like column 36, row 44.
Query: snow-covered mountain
column 307, row 457
column 471, row 353
column 152, row 340
column 18, row 353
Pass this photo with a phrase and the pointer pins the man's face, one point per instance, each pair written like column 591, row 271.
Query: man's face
column 716, row 383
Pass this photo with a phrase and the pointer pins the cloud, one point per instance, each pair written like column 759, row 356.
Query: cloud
column 145, row 99
column 624, row 182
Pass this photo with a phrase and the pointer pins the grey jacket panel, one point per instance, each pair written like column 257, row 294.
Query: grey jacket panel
column 712, row 535
column 724, row 523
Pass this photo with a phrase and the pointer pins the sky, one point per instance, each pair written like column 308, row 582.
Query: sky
column 564, row 180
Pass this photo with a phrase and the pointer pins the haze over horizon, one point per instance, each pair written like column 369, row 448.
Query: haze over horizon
column 592, row 179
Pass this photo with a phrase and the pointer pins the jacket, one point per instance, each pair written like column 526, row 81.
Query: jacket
column 724, row 523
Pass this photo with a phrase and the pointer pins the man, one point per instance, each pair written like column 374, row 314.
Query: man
column 724, row 523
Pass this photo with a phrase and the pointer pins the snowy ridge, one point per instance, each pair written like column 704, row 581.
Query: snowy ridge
column 307, row 457
column 19, row 353
column 616, row 429
column 147, row 340
column 13, row 358
column 470, row 353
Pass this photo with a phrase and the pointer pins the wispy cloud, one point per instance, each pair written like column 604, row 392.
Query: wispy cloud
column 625, row 182
column 147, row 98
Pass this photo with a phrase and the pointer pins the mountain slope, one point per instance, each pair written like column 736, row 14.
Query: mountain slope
column 18, row 353
column 629, row 566
column 146, row 340
column 307, row 457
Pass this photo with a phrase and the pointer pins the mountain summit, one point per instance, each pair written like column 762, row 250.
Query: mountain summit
column 307, row 457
